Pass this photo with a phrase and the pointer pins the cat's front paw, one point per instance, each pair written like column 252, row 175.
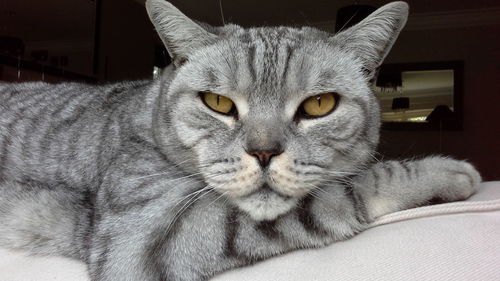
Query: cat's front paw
column 458, row 180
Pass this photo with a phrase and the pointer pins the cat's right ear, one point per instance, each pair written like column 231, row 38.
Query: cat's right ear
column 372, row 38
column 180, row 34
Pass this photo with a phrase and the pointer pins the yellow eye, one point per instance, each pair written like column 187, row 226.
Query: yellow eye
column 319, row 105
column 218, row 103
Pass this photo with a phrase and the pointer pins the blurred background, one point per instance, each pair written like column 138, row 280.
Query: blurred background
column 439, row 87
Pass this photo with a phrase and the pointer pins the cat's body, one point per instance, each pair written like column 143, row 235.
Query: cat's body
column 144, row 182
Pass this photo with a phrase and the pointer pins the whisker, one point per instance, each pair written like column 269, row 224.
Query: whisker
column 218, row 197
column 191, row 200
column 166, row 173
column 316, row 196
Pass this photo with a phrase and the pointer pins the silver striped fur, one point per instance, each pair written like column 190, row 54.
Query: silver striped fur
column 143, row 182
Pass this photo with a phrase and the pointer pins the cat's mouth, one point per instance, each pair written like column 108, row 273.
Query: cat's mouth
column 265, row 189
column 265, row 203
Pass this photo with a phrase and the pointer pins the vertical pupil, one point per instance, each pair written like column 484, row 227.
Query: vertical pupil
column 218, row 99
column 318, row 98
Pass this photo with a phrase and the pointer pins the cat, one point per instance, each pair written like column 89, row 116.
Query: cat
column 252, row 143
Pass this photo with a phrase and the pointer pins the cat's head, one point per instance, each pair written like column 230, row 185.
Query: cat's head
column 267, row 115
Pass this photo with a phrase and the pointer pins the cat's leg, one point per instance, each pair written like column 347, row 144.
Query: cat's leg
column 392, row 186
column 115, row 252
column 42, row 219
column 148, row 225
column 165, row 238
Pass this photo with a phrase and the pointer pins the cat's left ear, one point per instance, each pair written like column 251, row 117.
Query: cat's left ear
column 180, row 34
column 372, row 38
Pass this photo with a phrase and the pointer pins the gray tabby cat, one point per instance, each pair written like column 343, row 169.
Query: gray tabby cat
column 255, row 142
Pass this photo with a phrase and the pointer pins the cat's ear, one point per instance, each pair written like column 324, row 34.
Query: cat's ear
column 372, row 38
column 180, row 34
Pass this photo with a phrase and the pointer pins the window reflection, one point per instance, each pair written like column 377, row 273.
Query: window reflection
column 411, row 96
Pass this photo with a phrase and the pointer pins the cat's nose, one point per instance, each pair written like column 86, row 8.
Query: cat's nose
column 264, row 156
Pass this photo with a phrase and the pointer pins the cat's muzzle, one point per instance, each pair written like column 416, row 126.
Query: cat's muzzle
column 266, row 203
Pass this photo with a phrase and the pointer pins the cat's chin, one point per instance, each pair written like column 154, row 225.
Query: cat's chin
column 265, row 205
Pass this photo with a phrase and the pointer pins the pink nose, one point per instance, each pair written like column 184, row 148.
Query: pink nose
column 264, row 157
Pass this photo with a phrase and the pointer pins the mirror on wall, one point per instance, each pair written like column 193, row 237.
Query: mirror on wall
column 425, row 96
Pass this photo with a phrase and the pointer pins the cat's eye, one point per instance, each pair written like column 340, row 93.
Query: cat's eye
column 318, row 105
column 218, row 103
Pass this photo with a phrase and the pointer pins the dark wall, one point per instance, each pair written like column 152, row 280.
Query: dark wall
column 126, row 42
column 479, row 141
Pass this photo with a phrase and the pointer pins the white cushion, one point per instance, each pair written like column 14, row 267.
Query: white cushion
column 455, row 241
